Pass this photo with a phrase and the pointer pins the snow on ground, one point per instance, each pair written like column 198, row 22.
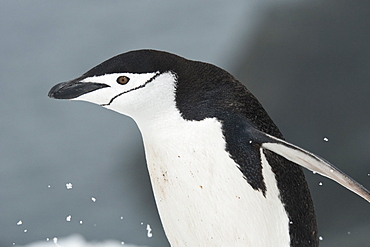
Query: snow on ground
column 76, row 240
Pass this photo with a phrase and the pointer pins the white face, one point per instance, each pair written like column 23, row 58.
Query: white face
column 132, row 94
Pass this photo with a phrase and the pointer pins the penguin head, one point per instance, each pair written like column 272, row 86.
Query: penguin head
column 146, row 82
column 133, row 83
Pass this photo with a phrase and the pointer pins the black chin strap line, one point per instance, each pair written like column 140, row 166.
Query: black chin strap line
column 132, row 89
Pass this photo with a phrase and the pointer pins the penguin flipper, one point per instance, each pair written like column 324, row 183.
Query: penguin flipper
column 308, row 160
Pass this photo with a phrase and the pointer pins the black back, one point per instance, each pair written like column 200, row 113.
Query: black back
column 205, row 91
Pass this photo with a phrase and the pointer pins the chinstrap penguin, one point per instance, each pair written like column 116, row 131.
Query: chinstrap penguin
column 222, row 173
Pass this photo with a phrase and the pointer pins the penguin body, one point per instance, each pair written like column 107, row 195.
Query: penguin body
column 221, row 173
column 194, row 179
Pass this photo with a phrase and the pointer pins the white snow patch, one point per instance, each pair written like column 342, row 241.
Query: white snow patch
column 69, row 186
column 149, row 234
column 76, row 241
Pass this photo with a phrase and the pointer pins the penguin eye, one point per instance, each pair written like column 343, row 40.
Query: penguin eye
column 122, row 80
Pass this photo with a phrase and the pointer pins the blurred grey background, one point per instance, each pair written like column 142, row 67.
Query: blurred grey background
column 308, row 62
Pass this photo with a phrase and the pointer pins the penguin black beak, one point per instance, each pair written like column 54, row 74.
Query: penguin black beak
column 73, row 89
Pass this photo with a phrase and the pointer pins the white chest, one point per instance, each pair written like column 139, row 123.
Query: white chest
column 202, row 197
